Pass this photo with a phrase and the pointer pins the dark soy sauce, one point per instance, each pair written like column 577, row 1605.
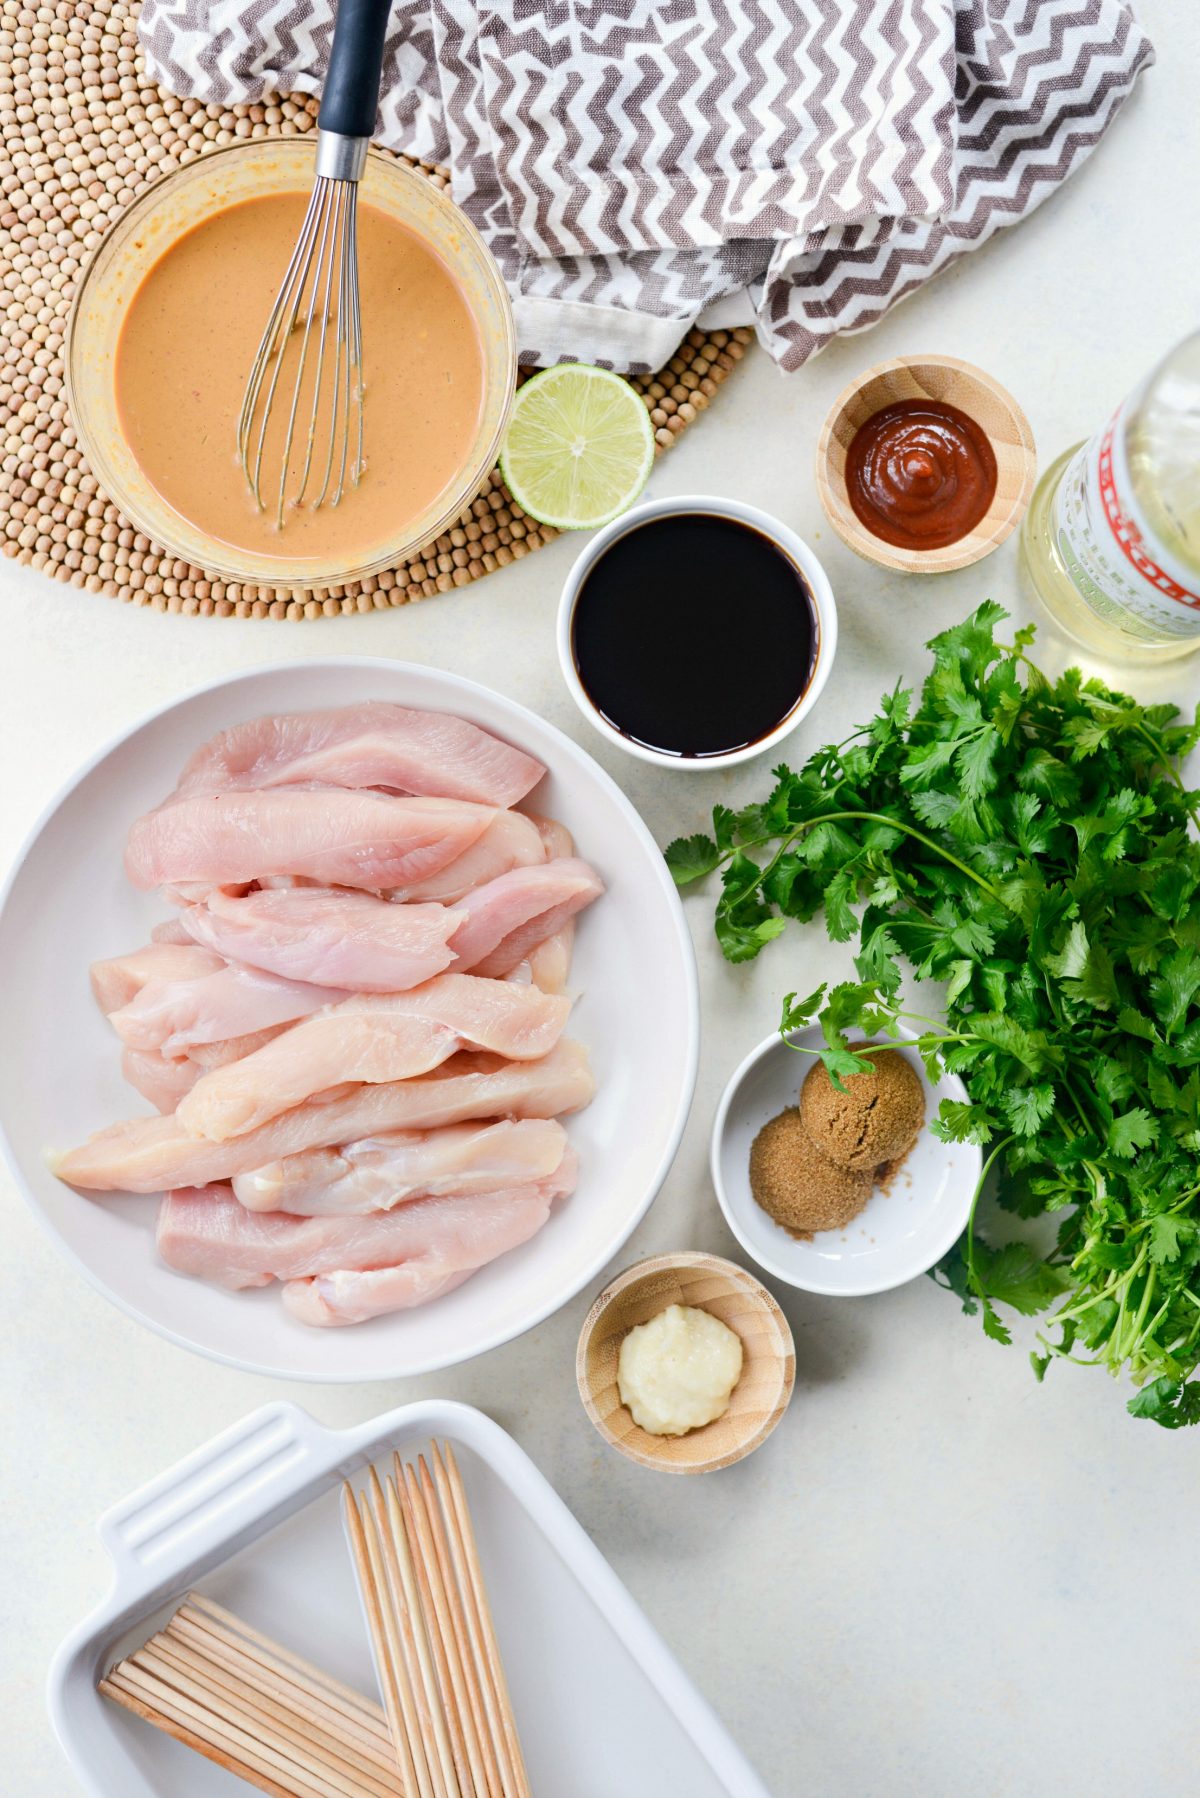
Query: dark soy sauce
column 695, row 635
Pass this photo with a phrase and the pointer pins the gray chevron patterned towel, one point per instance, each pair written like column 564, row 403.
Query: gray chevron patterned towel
column 636, row 163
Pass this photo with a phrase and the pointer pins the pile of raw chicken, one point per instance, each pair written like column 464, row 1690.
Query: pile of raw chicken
column 352, row 1024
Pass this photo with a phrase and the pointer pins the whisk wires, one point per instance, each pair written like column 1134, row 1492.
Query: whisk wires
column 314, row 332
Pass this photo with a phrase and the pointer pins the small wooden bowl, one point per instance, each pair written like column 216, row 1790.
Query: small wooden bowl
column 955, row 383
column 761, row 1395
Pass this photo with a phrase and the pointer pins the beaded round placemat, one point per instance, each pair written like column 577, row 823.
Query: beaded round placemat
column 82, row 130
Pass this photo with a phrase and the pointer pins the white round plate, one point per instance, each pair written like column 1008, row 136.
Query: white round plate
column 67, row 903
column 901, row 1233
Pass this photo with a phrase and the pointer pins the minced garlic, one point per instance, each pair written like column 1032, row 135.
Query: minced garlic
column 677, row 1372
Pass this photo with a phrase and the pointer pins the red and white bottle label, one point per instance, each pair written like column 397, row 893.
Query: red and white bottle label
column 1112, row 555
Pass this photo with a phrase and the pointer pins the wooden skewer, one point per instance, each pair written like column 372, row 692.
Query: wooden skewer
column 479, row 1616
column 476, row 1710
column 233, row 1628
column 171, row 1726
column 441, row 1761
column 332, row 1749
column 370, row 1735
column 392, row 1592
column 232, row 1694
column 382, row 1630
column 367, row 1730
column 260, row 1756
column 465, row 1740
column 340, row 1779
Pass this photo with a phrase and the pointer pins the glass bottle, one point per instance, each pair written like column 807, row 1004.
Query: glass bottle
column 1111, row 541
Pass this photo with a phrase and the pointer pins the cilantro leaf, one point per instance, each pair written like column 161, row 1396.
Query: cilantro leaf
column 1070, row 961
column 797, row 1013
column 840, row 921
column 690, row 858
column 742, row 942
column 1174, row 988
column 975, row 763
column 1168, row 1402
column 1028, row 1107
column 1135, row 1130
column 1017, row 1276
column 1165, row 1234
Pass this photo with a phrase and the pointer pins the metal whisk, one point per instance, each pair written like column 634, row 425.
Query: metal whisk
column 319, row 297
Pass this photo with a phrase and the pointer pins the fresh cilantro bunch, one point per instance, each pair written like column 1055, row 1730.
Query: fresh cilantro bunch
column 1031, row 845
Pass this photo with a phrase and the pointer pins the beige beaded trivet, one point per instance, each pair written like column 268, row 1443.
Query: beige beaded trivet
column 82, row 131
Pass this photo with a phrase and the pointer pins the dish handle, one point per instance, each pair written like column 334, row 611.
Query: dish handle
column 204, row 1505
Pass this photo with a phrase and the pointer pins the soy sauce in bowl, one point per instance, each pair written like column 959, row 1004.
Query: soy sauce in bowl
column 694, row 635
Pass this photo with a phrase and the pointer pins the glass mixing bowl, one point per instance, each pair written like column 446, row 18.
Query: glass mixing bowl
column 171, row 207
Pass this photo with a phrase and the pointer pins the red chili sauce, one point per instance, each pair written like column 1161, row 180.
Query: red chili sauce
column 920, row 474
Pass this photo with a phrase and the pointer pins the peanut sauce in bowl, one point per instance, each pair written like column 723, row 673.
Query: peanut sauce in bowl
column 920, row 474
column 189, row 339
column 164, row 329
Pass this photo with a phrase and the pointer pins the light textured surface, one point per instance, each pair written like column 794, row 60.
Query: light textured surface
column 936, row 1576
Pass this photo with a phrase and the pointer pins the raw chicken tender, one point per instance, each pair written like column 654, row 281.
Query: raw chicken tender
column 323, row 833
column 172, row 1016
column 510, row 841
column 169, row 931
column 374, row 1038
column 504, row 921
column 205, row 1232
column 165, row 1080
column 375, row 744
column 549, row 964
column 557, row 838
column 161, row 1081
column 119, row 979
column 401, row 1165
column 461, row 1235
column 148, row 1154
column 331, row 936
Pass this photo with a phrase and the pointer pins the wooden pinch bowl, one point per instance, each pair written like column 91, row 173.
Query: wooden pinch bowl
column 954, row 383
column 761, row 1395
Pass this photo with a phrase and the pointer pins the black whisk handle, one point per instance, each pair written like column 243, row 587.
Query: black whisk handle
column 350, row 96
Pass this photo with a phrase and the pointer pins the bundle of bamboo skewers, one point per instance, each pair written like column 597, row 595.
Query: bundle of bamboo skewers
column 257, row 1710
column 447, row 1728
column 431, row 1628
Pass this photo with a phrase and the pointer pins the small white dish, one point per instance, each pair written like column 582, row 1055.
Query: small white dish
column 785, row 540
column 67, row 903
column 900, row 1234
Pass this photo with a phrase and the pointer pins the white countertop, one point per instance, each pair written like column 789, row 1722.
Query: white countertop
column 937, row 1576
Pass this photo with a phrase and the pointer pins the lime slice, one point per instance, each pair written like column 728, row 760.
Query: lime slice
column 579, row 447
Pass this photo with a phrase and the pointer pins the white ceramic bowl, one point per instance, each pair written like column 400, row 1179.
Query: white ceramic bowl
column 900, row 1233
column 67, row 903
column 792, row 546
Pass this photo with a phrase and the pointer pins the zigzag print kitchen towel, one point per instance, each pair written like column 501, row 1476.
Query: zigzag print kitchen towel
column 633, row 162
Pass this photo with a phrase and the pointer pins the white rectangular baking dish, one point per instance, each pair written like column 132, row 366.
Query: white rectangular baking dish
column 252, row 1519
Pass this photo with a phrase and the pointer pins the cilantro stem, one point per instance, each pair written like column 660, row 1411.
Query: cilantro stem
column 1169, row 769
column 861, row 817
column 973, row 1278
column 1148, row 1333
column 1116, row 1340
column 1140, row 1320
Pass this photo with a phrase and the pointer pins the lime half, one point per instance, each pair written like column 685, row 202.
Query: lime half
column 579, row 447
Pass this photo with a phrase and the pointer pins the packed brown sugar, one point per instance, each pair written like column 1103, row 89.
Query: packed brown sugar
column 814, row 1166
column 876, row 1119
column 798, row 1186
column 188, row 344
